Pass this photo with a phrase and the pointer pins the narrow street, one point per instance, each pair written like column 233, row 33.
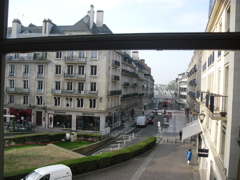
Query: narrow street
column 166, row 161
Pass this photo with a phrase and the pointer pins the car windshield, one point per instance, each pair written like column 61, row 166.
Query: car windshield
column 33, row 176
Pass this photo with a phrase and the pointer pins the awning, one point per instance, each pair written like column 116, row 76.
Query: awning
column 191, row 129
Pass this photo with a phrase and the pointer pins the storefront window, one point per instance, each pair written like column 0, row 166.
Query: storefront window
column 88, row 123
column 62, row 121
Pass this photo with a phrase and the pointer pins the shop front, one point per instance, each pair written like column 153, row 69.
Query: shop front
column 59, row 121
column 88, row 122
column 22, row 116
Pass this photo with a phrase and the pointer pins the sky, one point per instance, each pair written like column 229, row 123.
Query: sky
column 126, row 16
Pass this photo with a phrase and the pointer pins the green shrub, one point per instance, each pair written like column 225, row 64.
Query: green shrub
column 91, row 163
column 33, row 138
column 89, row 137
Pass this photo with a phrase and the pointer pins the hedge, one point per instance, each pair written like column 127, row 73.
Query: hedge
column 96, row 162
column 89, row 137
column 45, row 138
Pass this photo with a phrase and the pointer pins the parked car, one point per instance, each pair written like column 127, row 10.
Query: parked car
column 150, row 119
column 59, row 172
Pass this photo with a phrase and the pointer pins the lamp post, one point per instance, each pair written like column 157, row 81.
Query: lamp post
column 201, row 117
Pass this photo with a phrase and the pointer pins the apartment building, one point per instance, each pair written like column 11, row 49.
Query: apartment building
column 219, row 125
column 181, row 94
column 74, row 89
column 194, row 86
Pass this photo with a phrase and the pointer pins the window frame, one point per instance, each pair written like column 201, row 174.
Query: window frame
column 92, row 103
column 58, row 69
column 93, row 70
column 80, row 102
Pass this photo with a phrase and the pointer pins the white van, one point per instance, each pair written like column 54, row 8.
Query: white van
column 141, row 121
column 53, row 172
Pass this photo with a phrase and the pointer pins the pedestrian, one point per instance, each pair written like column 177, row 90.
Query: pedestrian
column 180, row 135
column 189, row 156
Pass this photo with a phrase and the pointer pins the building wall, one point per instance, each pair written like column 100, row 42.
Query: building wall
column 221, row 77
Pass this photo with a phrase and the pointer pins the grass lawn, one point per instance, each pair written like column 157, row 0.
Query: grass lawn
column 30, row 156
column 72, row 145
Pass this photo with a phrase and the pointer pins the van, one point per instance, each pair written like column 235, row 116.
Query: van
column 53, row 172
column 141, row 121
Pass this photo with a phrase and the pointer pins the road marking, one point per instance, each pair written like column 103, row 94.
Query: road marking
column 145, row 164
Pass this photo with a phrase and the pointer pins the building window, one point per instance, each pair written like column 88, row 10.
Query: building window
column 92, row 103
column 69, row 69
column 81, row 70
column 39, row 86
column 58, row 69
column 11, row 83
column 25, row 70
column 16, row 56
column 81, row 88
column 12, row 70
column 57, row 85
column 25, row 99
column 81, row 54
column 25, row 86
column 30, row 55
column 94, row 54
column 70, row 55
column 94, row 70
column 59, row 55
column 80, row 102
column 68, row 102
column 40, row 71
column 39, row 100
column 11, row 99
column 69, row 86
column 93, row 87
column 57, row 101
column 44, row 55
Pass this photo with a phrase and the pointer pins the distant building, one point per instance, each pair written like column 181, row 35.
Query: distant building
column 79, row 90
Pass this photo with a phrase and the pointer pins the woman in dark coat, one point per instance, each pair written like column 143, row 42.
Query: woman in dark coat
column 189, row 156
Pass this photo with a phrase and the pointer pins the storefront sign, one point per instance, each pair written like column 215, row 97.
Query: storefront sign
column 202, row 152
column 88, row 114
column 60, row 112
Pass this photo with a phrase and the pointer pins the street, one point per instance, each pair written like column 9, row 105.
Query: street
column 167, row 160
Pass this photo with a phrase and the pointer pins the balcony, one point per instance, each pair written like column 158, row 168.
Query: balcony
column 18, row 90
column 25, row 74
column 115, row 63
column 141, row 95
column 74, row 76
column 193, row 82
column 126, row 84
column 74, row 59
column 74, row 92
column 114, row 93
column 124, row 71
column 216, row 106
column 115, row 78
column 126, row 96
column 134, row 85
column 40, row 75
column 39, row 91
column 11, row 74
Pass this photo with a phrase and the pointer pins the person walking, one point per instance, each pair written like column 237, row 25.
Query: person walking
column 180, row 135
column 189, row 156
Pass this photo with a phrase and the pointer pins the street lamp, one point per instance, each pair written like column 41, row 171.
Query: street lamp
column 201, row 117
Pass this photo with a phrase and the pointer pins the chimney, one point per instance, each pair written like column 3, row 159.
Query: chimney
column 88, row 13
column 143, row 61
column 91, row 16
column 44, row 27
column 49, row 26
column 99, row 18
column 16, row 27
column 135, row 55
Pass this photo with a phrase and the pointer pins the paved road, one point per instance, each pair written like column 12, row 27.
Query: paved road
column 166, row 161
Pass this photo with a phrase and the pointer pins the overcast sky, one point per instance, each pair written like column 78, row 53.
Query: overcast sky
column 126, row 16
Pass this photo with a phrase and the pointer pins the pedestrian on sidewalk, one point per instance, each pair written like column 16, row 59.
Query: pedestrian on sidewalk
column 189, row 156
column 180, row 135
